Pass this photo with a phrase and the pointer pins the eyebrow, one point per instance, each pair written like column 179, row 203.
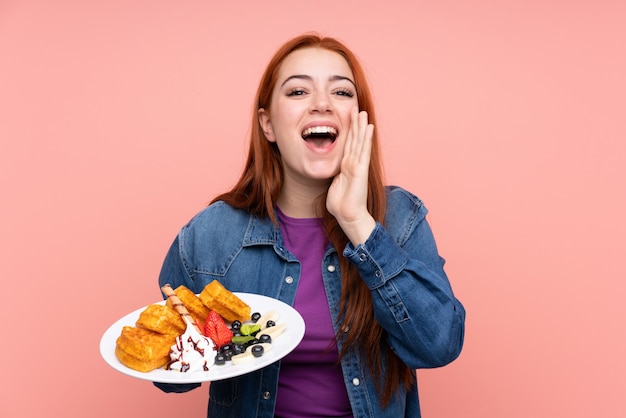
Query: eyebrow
column 309, row 78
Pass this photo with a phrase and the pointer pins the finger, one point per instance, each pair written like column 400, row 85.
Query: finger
column 366, row 133
column 353, row 133
column 367, row 143
column 357, row 132
column 362, row 128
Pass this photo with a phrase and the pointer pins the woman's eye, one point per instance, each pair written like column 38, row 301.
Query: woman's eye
column 295, row 92
column 344, row 92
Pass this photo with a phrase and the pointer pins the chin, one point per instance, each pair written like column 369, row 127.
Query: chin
column 323, row 175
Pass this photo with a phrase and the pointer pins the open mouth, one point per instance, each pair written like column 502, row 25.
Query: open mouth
column 320, row 136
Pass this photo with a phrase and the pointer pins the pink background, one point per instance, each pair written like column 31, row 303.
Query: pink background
column 119, row 120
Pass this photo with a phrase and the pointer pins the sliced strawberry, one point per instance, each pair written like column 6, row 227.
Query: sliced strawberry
column 216, row 329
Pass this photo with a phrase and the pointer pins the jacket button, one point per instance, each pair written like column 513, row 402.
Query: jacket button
column 362, row 257
column 289, row 279
column 266, row 395
column 331, row 268
column 356, row 381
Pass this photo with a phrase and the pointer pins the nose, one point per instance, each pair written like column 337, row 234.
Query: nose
column 321, row 103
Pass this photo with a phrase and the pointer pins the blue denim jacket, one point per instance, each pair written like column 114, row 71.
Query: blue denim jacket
column 412, row 297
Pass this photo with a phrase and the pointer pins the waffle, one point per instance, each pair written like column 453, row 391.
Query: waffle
column 216, row 297
column 161, row 319
column 142, row 349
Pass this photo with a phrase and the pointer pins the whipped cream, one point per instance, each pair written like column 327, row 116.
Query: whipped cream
column 192, row 352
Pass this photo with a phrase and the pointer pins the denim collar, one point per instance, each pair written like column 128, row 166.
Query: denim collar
column 261, row 231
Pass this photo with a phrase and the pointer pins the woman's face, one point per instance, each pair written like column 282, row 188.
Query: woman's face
column 309, row 115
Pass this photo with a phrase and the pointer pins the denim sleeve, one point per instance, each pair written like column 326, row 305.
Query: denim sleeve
column 413, row 299
column 176, row 387
column 174, row 271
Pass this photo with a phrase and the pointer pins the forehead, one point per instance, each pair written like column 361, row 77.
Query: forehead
column 314, row 62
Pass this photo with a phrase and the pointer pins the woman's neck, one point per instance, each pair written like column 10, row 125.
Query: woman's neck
column 300, row 201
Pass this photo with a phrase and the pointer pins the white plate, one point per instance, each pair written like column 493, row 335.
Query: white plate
column 281, row 346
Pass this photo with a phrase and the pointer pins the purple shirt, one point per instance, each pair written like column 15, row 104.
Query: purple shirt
column 311, row 382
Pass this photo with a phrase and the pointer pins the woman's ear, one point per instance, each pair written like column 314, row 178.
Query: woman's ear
column 266, row 125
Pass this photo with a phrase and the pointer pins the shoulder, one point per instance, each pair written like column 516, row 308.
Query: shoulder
column 216, row 220
column 404, row 213
column 213, row 237
column 216, row 213
column 403, row 199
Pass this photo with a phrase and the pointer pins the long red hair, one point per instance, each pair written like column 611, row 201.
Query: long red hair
column 257, row 192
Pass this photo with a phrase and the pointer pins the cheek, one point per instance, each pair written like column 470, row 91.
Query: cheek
column 286, row 118
column 346, row 117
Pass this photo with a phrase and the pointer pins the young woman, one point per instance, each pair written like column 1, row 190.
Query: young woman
column 311, row 223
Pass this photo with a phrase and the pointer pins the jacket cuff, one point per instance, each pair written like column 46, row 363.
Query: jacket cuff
column 176, row 387
column 378, row 259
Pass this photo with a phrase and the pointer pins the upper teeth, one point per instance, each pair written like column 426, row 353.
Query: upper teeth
column 319, row 130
